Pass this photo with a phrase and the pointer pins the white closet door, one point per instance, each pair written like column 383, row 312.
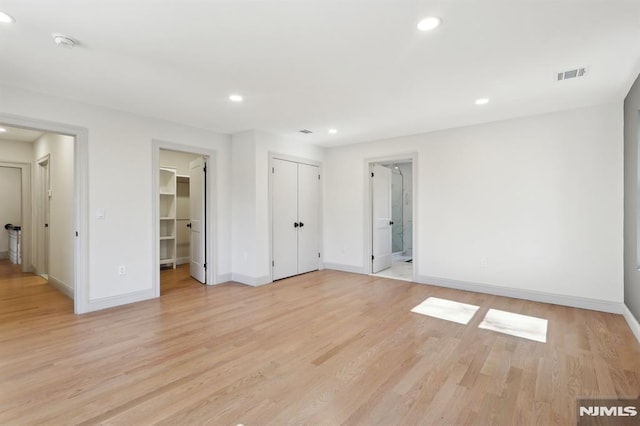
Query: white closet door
column 285, row 218
column 381, row 218
column 197, row 206
column 308, row 191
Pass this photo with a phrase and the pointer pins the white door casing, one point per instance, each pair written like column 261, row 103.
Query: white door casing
column 44, row 212
column 197, row 203
column 381, row 236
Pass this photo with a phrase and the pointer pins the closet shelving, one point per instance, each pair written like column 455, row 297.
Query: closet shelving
column 167, row 216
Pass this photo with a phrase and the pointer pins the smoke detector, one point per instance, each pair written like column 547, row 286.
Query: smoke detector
column 565, row 75
column 64, row 41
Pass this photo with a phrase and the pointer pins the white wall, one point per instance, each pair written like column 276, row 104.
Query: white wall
column 251, row 216
column 532, row 204
column 16, row 151
column 61, row 225
column 243, row 207
column 10, row 204
column 120, row 182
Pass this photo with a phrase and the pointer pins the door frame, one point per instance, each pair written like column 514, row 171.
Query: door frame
column 292, row 158
column 80, row 199
column 43, row 212
column 368, row 207
column 25, row 211
column 210, row 208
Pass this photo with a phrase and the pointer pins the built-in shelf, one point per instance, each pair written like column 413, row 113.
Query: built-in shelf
column 167, row 200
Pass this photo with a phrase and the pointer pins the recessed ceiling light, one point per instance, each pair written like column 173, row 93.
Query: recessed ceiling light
column 2, row 130
column 6, row 19
column 235, row 98
column 429, row 23
column 482, row 101
column 333, row 131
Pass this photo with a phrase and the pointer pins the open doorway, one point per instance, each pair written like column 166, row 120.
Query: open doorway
column 184, row 231
column 42, row 238
column 391, row 217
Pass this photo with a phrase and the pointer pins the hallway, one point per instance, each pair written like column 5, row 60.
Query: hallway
column 21, row 292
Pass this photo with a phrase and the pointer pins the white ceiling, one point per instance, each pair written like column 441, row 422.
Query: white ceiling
column 19, row 135
column 357, row 65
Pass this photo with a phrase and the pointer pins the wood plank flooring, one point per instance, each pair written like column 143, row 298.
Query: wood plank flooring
column 322, row 348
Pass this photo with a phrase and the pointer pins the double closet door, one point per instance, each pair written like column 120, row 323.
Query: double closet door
column 295, row 216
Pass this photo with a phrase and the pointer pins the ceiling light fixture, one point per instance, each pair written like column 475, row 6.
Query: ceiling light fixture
column 6, row 19
column 333, row 131
column 235, row 98
column 64, row 41
column 482, row 101
column 2, row 130
column 429, row 23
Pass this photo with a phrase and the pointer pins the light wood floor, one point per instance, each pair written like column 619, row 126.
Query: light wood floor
column 322, row 348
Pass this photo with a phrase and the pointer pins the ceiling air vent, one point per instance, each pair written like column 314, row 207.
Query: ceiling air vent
column 565, row 75
column 305, row 131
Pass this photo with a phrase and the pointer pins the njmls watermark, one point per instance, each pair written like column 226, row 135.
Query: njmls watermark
column 599, row 412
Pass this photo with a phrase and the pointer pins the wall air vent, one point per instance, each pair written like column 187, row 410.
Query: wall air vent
column 565, row 75
column 305, row 131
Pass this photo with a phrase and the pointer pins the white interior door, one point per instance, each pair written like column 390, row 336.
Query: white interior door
column 308, row 191
column 284, row 216
column 381, row 218
column 197, row 202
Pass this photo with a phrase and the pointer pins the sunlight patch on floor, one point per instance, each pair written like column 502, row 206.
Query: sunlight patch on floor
column 446, row 310
column 515, row 325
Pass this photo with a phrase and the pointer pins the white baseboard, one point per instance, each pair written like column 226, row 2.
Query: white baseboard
column 634, row 325
column 125, row 299
column 252, row 281
column 223, row 278
column 345, row 268
column 62, row 287
column 556, row 299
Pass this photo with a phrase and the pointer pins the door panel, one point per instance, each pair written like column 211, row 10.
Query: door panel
column 308, row 191
column 197, row 204
column 284, row 216
column 381, row 218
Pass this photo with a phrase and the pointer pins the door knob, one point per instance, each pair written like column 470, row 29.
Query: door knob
column 390, row 222
column 189, row 225
column 301, row 224
column 296, row 224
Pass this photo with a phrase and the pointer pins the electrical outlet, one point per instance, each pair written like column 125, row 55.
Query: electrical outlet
column 122, row 270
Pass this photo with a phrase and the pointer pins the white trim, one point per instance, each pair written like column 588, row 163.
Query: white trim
column 119, row 300
column 535, row 296
column 42, row 252
column 223, row 278
column 252, row 281
column 368, row 207
column 346, row 268
column 634, row 325
column 62, row 287
column 183, row 260
column 80, row 199
column 211, row 207
column 294, row 159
